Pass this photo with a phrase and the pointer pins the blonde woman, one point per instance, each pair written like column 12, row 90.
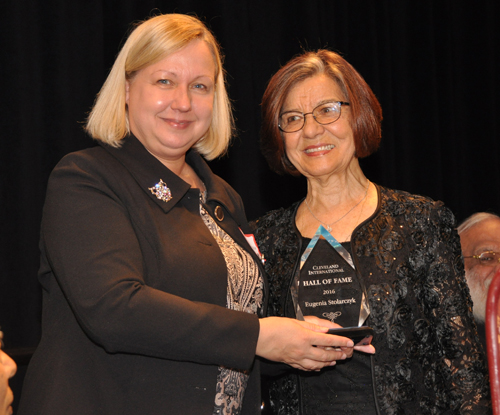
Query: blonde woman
column 153, row 288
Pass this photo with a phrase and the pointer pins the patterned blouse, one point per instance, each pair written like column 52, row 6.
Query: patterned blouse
column 245, row 288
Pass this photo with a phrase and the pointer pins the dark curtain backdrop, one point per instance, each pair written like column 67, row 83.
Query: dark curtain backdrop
column 434, row 66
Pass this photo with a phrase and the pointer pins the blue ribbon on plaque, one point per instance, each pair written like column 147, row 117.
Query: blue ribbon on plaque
column 327, row 285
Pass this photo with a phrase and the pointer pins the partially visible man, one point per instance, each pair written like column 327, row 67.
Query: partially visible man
column 7, row 370
column 480, row 240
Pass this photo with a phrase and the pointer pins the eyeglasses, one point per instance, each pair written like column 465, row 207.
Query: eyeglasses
column 487, row 259
column 292, row 121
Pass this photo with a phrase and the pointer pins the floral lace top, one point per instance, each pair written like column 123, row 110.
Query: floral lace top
column 244, row 293
column 429, row 359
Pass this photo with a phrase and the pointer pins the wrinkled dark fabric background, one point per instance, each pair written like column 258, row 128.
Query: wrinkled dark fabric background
column 434, row 66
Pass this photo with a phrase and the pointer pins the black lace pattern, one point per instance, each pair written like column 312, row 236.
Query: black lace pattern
column 429, row 359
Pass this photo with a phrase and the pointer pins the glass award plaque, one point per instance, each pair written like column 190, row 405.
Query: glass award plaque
column 327, row 285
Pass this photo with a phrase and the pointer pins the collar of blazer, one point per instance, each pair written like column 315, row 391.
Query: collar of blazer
column 147, row 170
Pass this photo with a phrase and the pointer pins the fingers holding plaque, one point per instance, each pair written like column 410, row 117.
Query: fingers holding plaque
column 361, row 336
column 327, row 286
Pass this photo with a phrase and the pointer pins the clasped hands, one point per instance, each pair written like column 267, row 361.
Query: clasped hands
column 304, row 344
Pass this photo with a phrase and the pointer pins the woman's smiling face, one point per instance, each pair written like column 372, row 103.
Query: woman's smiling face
column 170, row 103
column 318, row 150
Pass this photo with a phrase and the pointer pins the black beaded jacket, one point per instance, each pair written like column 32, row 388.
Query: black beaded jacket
column 428, row 357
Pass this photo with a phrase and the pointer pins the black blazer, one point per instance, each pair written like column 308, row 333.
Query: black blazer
column 134, row 291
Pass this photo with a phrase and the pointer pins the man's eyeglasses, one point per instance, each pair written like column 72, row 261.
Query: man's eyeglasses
column 487, row 259
column 292, row 121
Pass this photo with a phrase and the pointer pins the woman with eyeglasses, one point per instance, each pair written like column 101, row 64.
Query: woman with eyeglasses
column 362, row 255
column 7, row 370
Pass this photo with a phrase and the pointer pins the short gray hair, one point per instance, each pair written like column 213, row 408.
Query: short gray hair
column 474, row 219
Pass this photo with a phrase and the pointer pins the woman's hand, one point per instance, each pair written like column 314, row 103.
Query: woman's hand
column 347, row 350
column 370, row 349
column 301, row 344
column 321, row 322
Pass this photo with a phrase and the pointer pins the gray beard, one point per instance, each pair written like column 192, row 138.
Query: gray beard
column 478, row 293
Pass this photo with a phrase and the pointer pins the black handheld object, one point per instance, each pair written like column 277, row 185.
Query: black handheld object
column 361, row 336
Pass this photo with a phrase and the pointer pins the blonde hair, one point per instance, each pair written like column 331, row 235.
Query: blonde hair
column 151, row 41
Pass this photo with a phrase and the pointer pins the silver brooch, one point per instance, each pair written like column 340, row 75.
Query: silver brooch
column 161, row 191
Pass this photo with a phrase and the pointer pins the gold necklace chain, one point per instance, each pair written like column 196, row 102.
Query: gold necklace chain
column 329, row 226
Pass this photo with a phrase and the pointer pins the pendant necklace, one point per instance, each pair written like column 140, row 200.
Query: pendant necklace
column 329, row 226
